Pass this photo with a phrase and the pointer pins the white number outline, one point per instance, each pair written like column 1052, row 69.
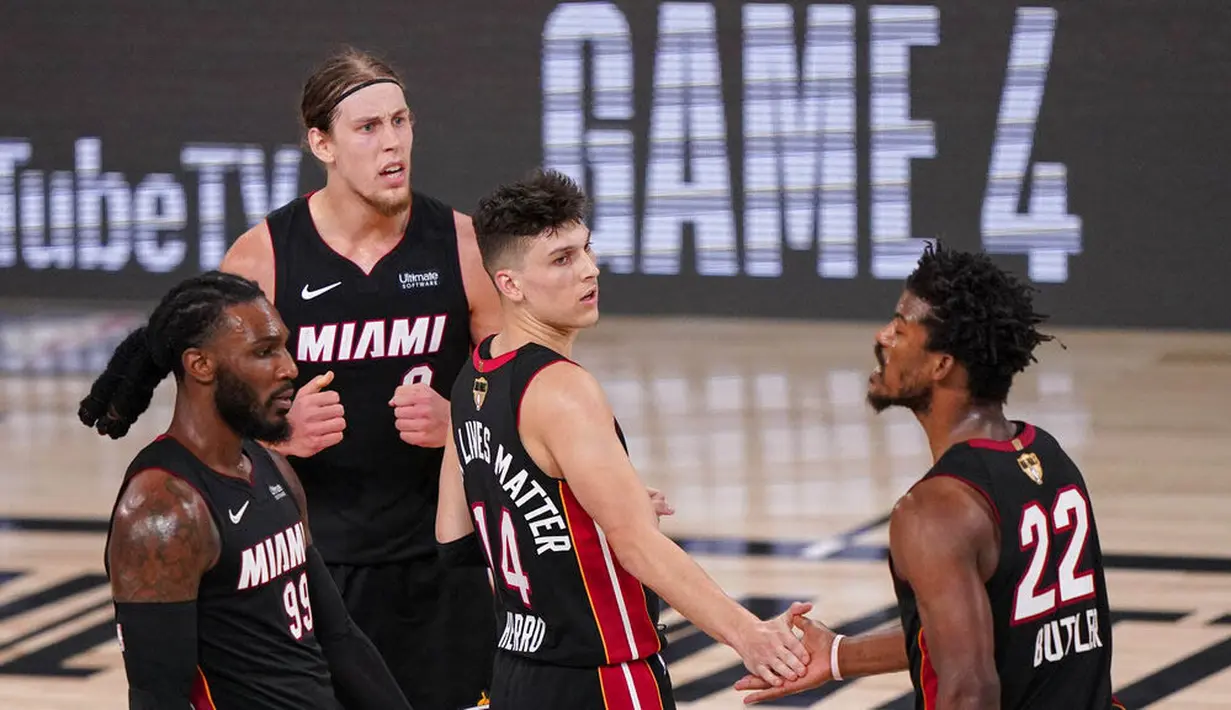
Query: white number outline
column 297, row 604
column 1070, row 509
column 511, row 569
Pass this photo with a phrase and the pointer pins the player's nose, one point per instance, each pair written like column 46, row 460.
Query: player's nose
column 884, row 337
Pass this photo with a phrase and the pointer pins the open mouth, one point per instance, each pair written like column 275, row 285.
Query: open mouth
column 283, row 400
column 393, row 171
column 590, row 296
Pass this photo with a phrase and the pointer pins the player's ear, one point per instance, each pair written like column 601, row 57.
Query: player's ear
column 199, row 366
column 320, row 145
column 943, row 366
column 507, row 284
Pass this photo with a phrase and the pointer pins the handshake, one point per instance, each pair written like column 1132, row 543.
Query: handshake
column 811, row 657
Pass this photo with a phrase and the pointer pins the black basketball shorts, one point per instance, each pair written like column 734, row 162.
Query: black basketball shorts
column 521, row 684
column 434, row 626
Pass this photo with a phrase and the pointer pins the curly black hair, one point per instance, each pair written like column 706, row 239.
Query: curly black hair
column 981, row 315
column 512, row 214
column 186, row 318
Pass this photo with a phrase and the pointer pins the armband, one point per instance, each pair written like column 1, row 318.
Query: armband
column 159, row 643
column 462, row 552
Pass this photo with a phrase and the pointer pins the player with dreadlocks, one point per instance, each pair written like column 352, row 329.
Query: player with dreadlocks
column 994, row 553
column 221, row 600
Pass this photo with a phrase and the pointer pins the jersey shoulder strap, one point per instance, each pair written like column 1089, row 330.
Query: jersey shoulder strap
column 968, row 465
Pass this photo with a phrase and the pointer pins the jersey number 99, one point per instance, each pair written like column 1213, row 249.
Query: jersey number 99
column 298, row 606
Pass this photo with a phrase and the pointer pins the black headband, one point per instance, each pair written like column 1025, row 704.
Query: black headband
column 363, row 85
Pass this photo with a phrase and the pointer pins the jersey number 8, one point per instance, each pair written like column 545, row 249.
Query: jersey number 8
column 510, row 554
column 1069, row 511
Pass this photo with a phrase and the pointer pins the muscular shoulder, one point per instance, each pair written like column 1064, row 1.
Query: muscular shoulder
column 163, row 539
column 252, row 256
column 941, row 518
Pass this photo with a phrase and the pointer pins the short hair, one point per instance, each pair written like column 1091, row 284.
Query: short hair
column 513, row 214
column 187, row 317
column 333, row 79
column 980, row 314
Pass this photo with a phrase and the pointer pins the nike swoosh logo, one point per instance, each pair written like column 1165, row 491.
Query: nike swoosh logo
column 308, row 294
column 236, row 517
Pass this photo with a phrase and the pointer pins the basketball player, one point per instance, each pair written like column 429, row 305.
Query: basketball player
column 537, row 466
column 221, row 598
column 994, row 553
column 384, row 293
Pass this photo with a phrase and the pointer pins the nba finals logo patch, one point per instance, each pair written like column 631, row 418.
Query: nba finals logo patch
column 1030, row 466
column 479, row 391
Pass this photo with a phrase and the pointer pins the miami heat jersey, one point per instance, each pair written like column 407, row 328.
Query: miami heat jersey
column 564, row 598
column 1048, row 597
column 372, row 497
column 256, row 647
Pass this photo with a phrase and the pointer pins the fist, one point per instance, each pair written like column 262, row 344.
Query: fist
column 317, row 418
column 421, row 415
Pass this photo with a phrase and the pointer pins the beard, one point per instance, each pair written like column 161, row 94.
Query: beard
column 917, row 398
column 239, row 407
column 917, row 402
column 390, row 206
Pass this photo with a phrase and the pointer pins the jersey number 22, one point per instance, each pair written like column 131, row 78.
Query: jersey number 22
column 1069, row 511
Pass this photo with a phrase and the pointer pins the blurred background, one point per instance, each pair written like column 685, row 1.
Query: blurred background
column 764, row 176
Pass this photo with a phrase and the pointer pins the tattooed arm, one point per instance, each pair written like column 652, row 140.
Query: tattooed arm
column 162, row 540
column 361, row 679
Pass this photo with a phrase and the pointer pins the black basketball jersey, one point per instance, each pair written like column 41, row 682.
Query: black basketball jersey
column 1048, row 596
column 256, row 647
column 372, row 497
column 563, row 596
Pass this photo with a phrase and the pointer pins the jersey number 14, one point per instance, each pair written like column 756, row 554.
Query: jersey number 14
column 510, row 554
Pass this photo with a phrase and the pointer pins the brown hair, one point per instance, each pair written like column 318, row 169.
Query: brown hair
column 334, row 79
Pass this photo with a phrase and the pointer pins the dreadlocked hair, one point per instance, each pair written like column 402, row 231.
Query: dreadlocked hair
column 981, row 315
column 186, row 318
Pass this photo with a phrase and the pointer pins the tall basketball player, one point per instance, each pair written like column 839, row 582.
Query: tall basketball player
column 384, row 293
column 536, row 465
column 994, row 552
column 221, row 598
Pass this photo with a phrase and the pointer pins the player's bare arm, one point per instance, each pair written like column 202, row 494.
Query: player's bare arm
column 453, row 521
column 252, row 256
column 568, row 428
column 162, row 541
column 943, row 539
column 485, row 314
column 360, row 676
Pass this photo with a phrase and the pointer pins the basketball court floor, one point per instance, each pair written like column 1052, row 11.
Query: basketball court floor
column 781, row 476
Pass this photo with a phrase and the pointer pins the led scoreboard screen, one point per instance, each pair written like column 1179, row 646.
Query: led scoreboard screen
column 755, row 158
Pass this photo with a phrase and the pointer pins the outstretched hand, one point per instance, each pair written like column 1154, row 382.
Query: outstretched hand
column 818, row 640
column 771, row 650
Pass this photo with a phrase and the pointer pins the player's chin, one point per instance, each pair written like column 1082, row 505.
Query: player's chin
column 586, row 317
column 277, row 429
